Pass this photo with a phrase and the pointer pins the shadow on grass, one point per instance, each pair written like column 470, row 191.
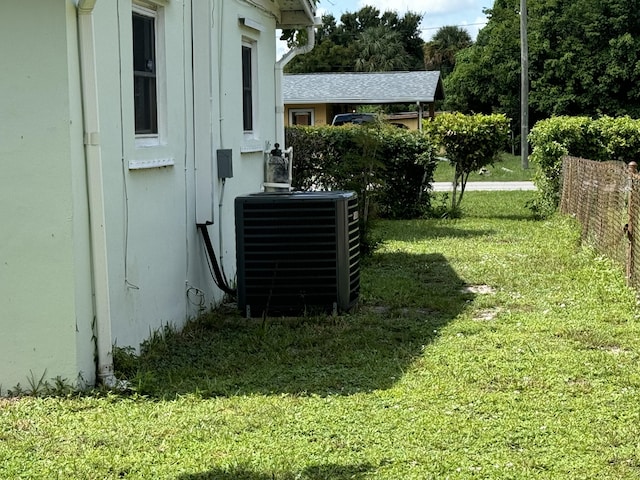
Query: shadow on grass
column 320, row 472
column 405, row 300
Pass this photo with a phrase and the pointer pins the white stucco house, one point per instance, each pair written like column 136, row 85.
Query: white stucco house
column 123, row 125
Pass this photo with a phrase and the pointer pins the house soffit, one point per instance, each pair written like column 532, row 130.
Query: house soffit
column 288, row 13
column 296, row 13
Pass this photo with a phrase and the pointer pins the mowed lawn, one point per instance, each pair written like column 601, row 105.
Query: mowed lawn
column 506, row 168
column 493, row 346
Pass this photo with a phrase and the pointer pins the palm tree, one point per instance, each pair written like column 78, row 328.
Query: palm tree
column 380, row 49
column 440, row 52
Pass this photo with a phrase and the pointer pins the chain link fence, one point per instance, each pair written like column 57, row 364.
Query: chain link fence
column 605, row 198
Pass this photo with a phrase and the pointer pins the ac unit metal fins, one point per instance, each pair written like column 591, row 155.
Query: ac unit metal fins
column 297, row 253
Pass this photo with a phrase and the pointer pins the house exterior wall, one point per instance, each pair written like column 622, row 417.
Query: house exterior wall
column 409, row 120
column 410, row 123
column 323, row 116
column 320, row 110
column 157, row 270
column 145, row 208
column 45, row 280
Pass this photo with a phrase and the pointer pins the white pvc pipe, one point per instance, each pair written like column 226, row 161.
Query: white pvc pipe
column 85, row 7
column 95, row 187
column 279, row 73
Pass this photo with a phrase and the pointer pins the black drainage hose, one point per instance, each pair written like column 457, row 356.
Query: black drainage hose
column 218, row 278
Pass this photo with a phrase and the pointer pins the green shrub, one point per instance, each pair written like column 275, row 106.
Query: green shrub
column 388, row 167
column 470, row 142
column 603, row 139
column 408, row 164
column 618, row 137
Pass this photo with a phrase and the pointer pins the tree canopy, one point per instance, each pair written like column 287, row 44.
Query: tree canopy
column 440, row 52
column 365, row 40
column 584, row 57
column 486, row 75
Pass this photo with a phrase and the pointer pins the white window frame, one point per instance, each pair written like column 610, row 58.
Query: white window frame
column 252, row 137
column 309, row 111
column 155, row 10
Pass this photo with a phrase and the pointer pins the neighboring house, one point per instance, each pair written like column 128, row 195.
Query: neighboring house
column 113, row 115
column 314, row 99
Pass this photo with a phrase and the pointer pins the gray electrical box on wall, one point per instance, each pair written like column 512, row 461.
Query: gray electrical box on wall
column 225, row 163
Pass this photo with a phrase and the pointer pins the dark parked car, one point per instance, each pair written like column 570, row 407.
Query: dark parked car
column 357, row 118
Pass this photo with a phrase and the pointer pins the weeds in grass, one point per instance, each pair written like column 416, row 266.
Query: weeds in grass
column 125, row 362
column 39, row 387
column 36, row 386
column 441, row 207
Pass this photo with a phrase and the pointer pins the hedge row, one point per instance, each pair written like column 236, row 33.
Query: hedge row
column 601, row 139
column 389, row 168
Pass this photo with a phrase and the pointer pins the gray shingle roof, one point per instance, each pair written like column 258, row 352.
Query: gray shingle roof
column 362, row 88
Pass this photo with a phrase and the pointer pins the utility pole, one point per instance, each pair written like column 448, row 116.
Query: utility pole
column 524, row 88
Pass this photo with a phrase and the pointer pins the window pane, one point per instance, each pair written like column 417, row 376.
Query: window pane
column 247, row 94
column 143, row 44
column 302, row 119
column 144, row 75
column 144, row 94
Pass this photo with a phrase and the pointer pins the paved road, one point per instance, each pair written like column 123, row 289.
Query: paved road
column 488, row 186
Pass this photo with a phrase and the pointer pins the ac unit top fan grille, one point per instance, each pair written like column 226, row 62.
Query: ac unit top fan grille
column 297, row 251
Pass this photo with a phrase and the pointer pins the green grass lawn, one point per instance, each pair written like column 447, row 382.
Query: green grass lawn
column 508, row 168
column 492, row 346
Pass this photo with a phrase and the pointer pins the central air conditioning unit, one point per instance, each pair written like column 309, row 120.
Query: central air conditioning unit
column 297, row 252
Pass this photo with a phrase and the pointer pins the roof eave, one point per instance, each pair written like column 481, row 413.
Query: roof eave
column 296, row 14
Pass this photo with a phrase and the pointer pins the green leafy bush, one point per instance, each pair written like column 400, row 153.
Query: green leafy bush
column 551, row 139
column 618, row 138
column 602, row 139
column 389, row 168
column 470, row 142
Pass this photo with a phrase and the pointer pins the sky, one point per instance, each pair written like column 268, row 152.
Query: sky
column 436, row 13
